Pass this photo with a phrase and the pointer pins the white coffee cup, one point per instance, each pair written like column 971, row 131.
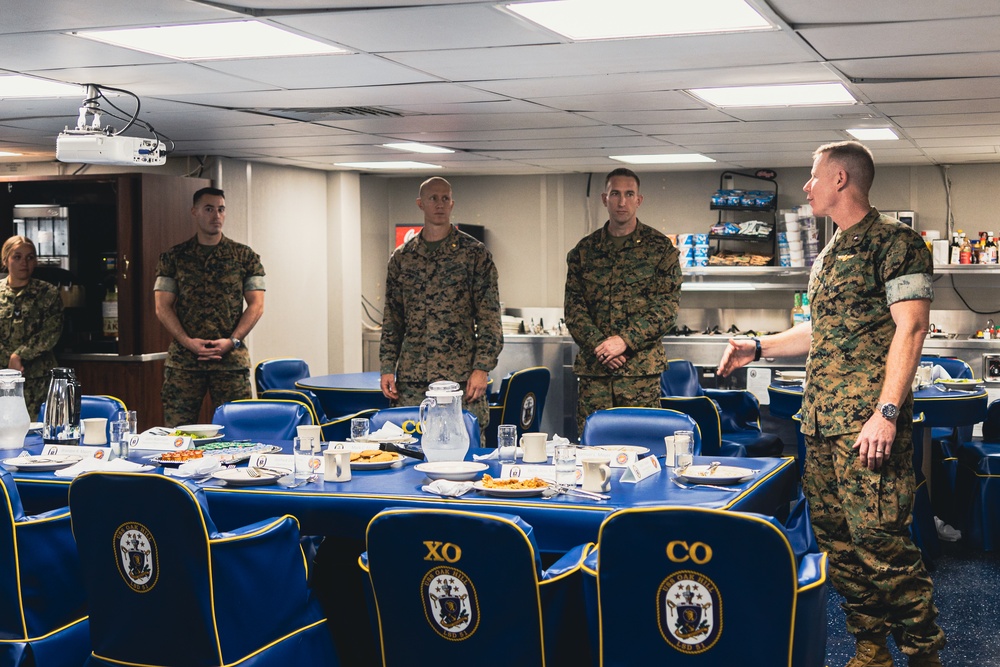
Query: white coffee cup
column 95, row 431
column 309, row 431
column 337, row 465
column 596, row 475
column 533, row 447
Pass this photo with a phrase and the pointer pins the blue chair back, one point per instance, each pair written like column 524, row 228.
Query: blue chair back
column 671, row 588
column 280, row 373
column 706, row 413
column 303, row 396
column 262, row 419
column 520, row 401
column 408, row 417
column 150, row 551
column 43, row 605
column 991, row 425
column 339, row 430
column 645, row 427
column 439, row 599
column 958, row 369
column 93, row 406
column 680, row 379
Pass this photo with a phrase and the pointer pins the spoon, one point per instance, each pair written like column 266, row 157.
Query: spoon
column 307, row 480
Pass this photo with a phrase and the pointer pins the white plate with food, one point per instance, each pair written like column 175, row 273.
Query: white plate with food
column 718, row 475
column 199, row 431
column 959, row 384
column 456, row 471
column 242, row 476
column 41, row 463
column 511, row 487
column 403, row 439
column 373, row 459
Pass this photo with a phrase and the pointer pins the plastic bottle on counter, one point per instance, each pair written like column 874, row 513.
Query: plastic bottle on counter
column 965, row 250
column 991, row 249
column 797, row 313
column 956, row 246
column 806, row 309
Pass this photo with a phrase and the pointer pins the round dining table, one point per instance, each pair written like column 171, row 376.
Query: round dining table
column 346, row 393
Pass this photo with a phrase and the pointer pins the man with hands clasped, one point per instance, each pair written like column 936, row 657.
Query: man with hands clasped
column 870, row 291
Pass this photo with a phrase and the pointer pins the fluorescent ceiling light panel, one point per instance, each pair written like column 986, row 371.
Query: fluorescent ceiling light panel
column 415, row 147
column 674, row 158
column 805, row 94
column 213, row 41
column 597, row 19
column 387, row 165
column 29, row 86
column 873, row 134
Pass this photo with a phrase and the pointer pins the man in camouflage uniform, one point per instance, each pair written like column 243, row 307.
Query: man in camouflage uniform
column 622, row 293
column 31, row 320
column 442, row 310
column 200, row 288
column 870, row 291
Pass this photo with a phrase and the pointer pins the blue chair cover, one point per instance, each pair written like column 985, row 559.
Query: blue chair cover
column 408, row 417
column 339, row 430
column 43, row 614
column 520, row 401
column 739, row 411
column 166, row 588
column 978, row 484
column 645, row 427
column 92, row 406
column 922, row 528
column 280, row 373
column 705, row 411
column 454, row 587
column 670, row 585
column 262, row 419
column 303, row 396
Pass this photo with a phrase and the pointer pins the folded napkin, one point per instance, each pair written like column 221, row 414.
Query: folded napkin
column 389, row 431
column 114, row 465
column 195, row 468
column 444, row 487
column 495, row 454
column 939, row 373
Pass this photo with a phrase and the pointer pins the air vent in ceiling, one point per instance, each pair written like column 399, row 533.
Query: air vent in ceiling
column 317, row 114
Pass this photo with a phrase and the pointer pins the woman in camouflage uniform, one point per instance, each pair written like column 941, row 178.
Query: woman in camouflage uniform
column 31, row 320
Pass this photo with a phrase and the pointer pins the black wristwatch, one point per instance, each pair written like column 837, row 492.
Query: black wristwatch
column 756, row 352
column 237, row 343
column 888, row 410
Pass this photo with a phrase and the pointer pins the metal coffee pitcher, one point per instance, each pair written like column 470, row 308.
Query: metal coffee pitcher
column 62, row 409
column 444, row 435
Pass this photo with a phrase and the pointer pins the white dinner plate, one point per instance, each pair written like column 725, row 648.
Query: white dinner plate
column 503, row 492
column 241, row 477
column 638, row 449
column 721, row 475
column 200, row 430
column 35, row 427
column 960, row 385
column 41, row 463
column 457, row 471
column 403, row 439
column 375, row 465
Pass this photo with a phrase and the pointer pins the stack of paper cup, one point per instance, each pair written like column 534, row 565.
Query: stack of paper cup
column 793, row 240
column 810, row 234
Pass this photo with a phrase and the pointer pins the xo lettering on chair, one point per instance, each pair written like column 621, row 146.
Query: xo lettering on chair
column 442, row 551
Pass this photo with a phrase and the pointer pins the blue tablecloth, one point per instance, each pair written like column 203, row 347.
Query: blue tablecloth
column 344, row 509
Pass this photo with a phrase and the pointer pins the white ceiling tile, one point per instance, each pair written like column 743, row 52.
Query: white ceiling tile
column 866, row 11
column 334, row 71
column 852, row 40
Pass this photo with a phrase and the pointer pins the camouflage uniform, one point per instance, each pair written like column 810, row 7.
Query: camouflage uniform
column 209, row 282
column 861, row 516
column 632, row 292
column 31, row 321
column 442, row 317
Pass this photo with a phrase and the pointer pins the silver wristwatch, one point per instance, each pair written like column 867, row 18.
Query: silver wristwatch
column 237, row 343
column 888, row 410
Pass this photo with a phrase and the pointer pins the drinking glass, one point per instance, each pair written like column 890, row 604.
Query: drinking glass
column 359, row 429
column 684, row 448
column 305, row 459
column 507, row 443
column 564, row 457
column 117, row 429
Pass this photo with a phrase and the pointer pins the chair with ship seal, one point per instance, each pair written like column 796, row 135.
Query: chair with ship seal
column 43, row 606
column 642, row 427
column 438, row 596
column 739, row 410
column 267, row 420
column 520, row 401
column 670, row 585
column 165, row 587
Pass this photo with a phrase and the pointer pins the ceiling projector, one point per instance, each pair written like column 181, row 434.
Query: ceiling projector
column 90, row 147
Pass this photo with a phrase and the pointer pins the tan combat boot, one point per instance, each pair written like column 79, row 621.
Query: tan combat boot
column 925, row 660
column 872, row 653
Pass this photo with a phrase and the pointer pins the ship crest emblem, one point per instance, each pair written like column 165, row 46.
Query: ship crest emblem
column 137, row 557
column 689, row 611
column 450, row 603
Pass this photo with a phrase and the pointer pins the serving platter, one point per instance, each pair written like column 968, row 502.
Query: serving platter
column 41, row 463
column 456, row 471
column 720, row 475
column 375, row 465
column 504, row 492
column 241, row 476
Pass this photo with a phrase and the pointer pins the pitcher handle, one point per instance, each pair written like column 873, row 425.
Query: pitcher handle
column 422, row 412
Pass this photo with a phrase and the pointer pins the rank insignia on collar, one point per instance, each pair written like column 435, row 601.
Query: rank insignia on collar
column 844, row 258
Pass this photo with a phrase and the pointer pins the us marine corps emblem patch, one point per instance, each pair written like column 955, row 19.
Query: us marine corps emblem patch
column 689, row 611
column 138, row 560
column 450, row 603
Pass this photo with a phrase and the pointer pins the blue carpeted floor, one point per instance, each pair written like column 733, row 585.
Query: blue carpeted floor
column 967, row 593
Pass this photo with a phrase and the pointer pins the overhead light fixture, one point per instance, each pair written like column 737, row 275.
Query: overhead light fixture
column 8, row 154
column 589, row 19
column 672, row 158
column 415, row 147
column 873, row 134
column 213, row 41
column 792, row 95
column 387, row 165
column 29, row 86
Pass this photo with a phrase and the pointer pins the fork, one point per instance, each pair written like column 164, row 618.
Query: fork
column 254, row 471
column 705, row 486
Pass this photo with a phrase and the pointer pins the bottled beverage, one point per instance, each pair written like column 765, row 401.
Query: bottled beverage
column 109, row 311
column 965, row 250
column 956, row 247
column 797, row 313
column 806, row 309
column 991, row 249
